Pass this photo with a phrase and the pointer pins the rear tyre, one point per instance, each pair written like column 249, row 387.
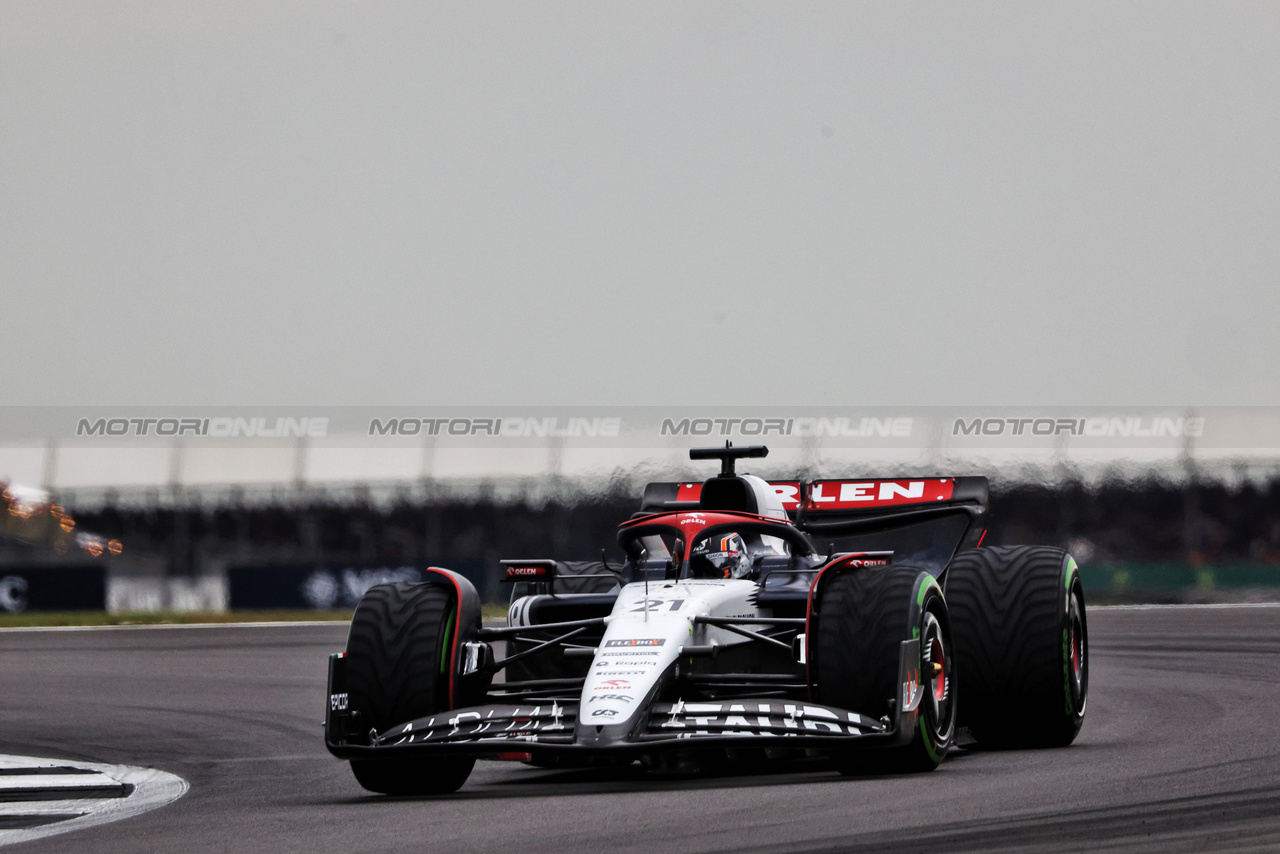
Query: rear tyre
column 1021, row 645
column 399, row 653
column 863, row 618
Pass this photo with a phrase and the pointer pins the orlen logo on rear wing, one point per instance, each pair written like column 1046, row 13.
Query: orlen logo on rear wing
column 859, row 494
column 846, row 494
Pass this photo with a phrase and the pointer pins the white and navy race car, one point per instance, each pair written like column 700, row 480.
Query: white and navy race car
column 859, row 620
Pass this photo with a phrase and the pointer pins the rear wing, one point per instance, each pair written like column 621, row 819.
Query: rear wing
column 848, row 507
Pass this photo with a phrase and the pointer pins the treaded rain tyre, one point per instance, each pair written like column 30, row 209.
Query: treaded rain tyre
column 398, row 657
column 863, row 618
column 1021, row 638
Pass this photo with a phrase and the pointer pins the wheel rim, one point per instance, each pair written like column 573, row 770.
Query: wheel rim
column 936, row 660
column 939, row 657
column 1077, row 652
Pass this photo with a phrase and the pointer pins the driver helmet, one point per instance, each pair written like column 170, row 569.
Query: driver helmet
column 726, row 556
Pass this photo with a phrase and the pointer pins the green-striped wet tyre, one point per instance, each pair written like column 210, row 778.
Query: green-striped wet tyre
column 1022, row 645
column 398, row 660
column 864, row 615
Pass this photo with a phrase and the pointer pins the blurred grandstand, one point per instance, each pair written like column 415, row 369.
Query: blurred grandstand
column 1115, row 529
column 1151, row 520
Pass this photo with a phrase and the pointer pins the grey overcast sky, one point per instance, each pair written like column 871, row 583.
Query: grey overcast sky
column 610, row 203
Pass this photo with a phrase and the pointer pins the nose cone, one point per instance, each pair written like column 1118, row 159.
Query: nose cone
column 633, row 660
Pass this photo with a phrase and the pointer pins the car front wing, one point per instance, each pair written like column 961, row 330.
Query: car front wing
column 550, row 727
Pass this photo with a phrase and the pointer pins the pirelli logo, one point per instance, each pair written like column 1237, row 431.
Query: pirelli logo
column 633, row 642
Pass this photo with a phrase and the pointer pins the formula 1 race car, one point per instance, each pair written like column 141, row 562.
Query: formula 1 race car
column 855, row 620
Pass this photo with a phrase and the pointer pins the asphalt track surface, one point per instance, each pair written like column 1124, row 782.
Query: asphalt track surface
column 1180, row 752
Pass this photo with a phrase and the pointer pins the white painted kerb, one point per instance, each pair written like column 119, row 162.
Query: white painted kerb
column 151, row 789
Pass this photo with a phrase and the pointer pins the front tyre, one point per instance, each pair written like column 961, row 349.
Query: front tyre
column 404, row 777
column 863, row 616
column 400, row 668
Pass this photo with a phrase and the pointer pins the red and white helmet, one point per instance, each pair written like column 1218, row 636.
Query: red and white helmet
column 721, row 556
